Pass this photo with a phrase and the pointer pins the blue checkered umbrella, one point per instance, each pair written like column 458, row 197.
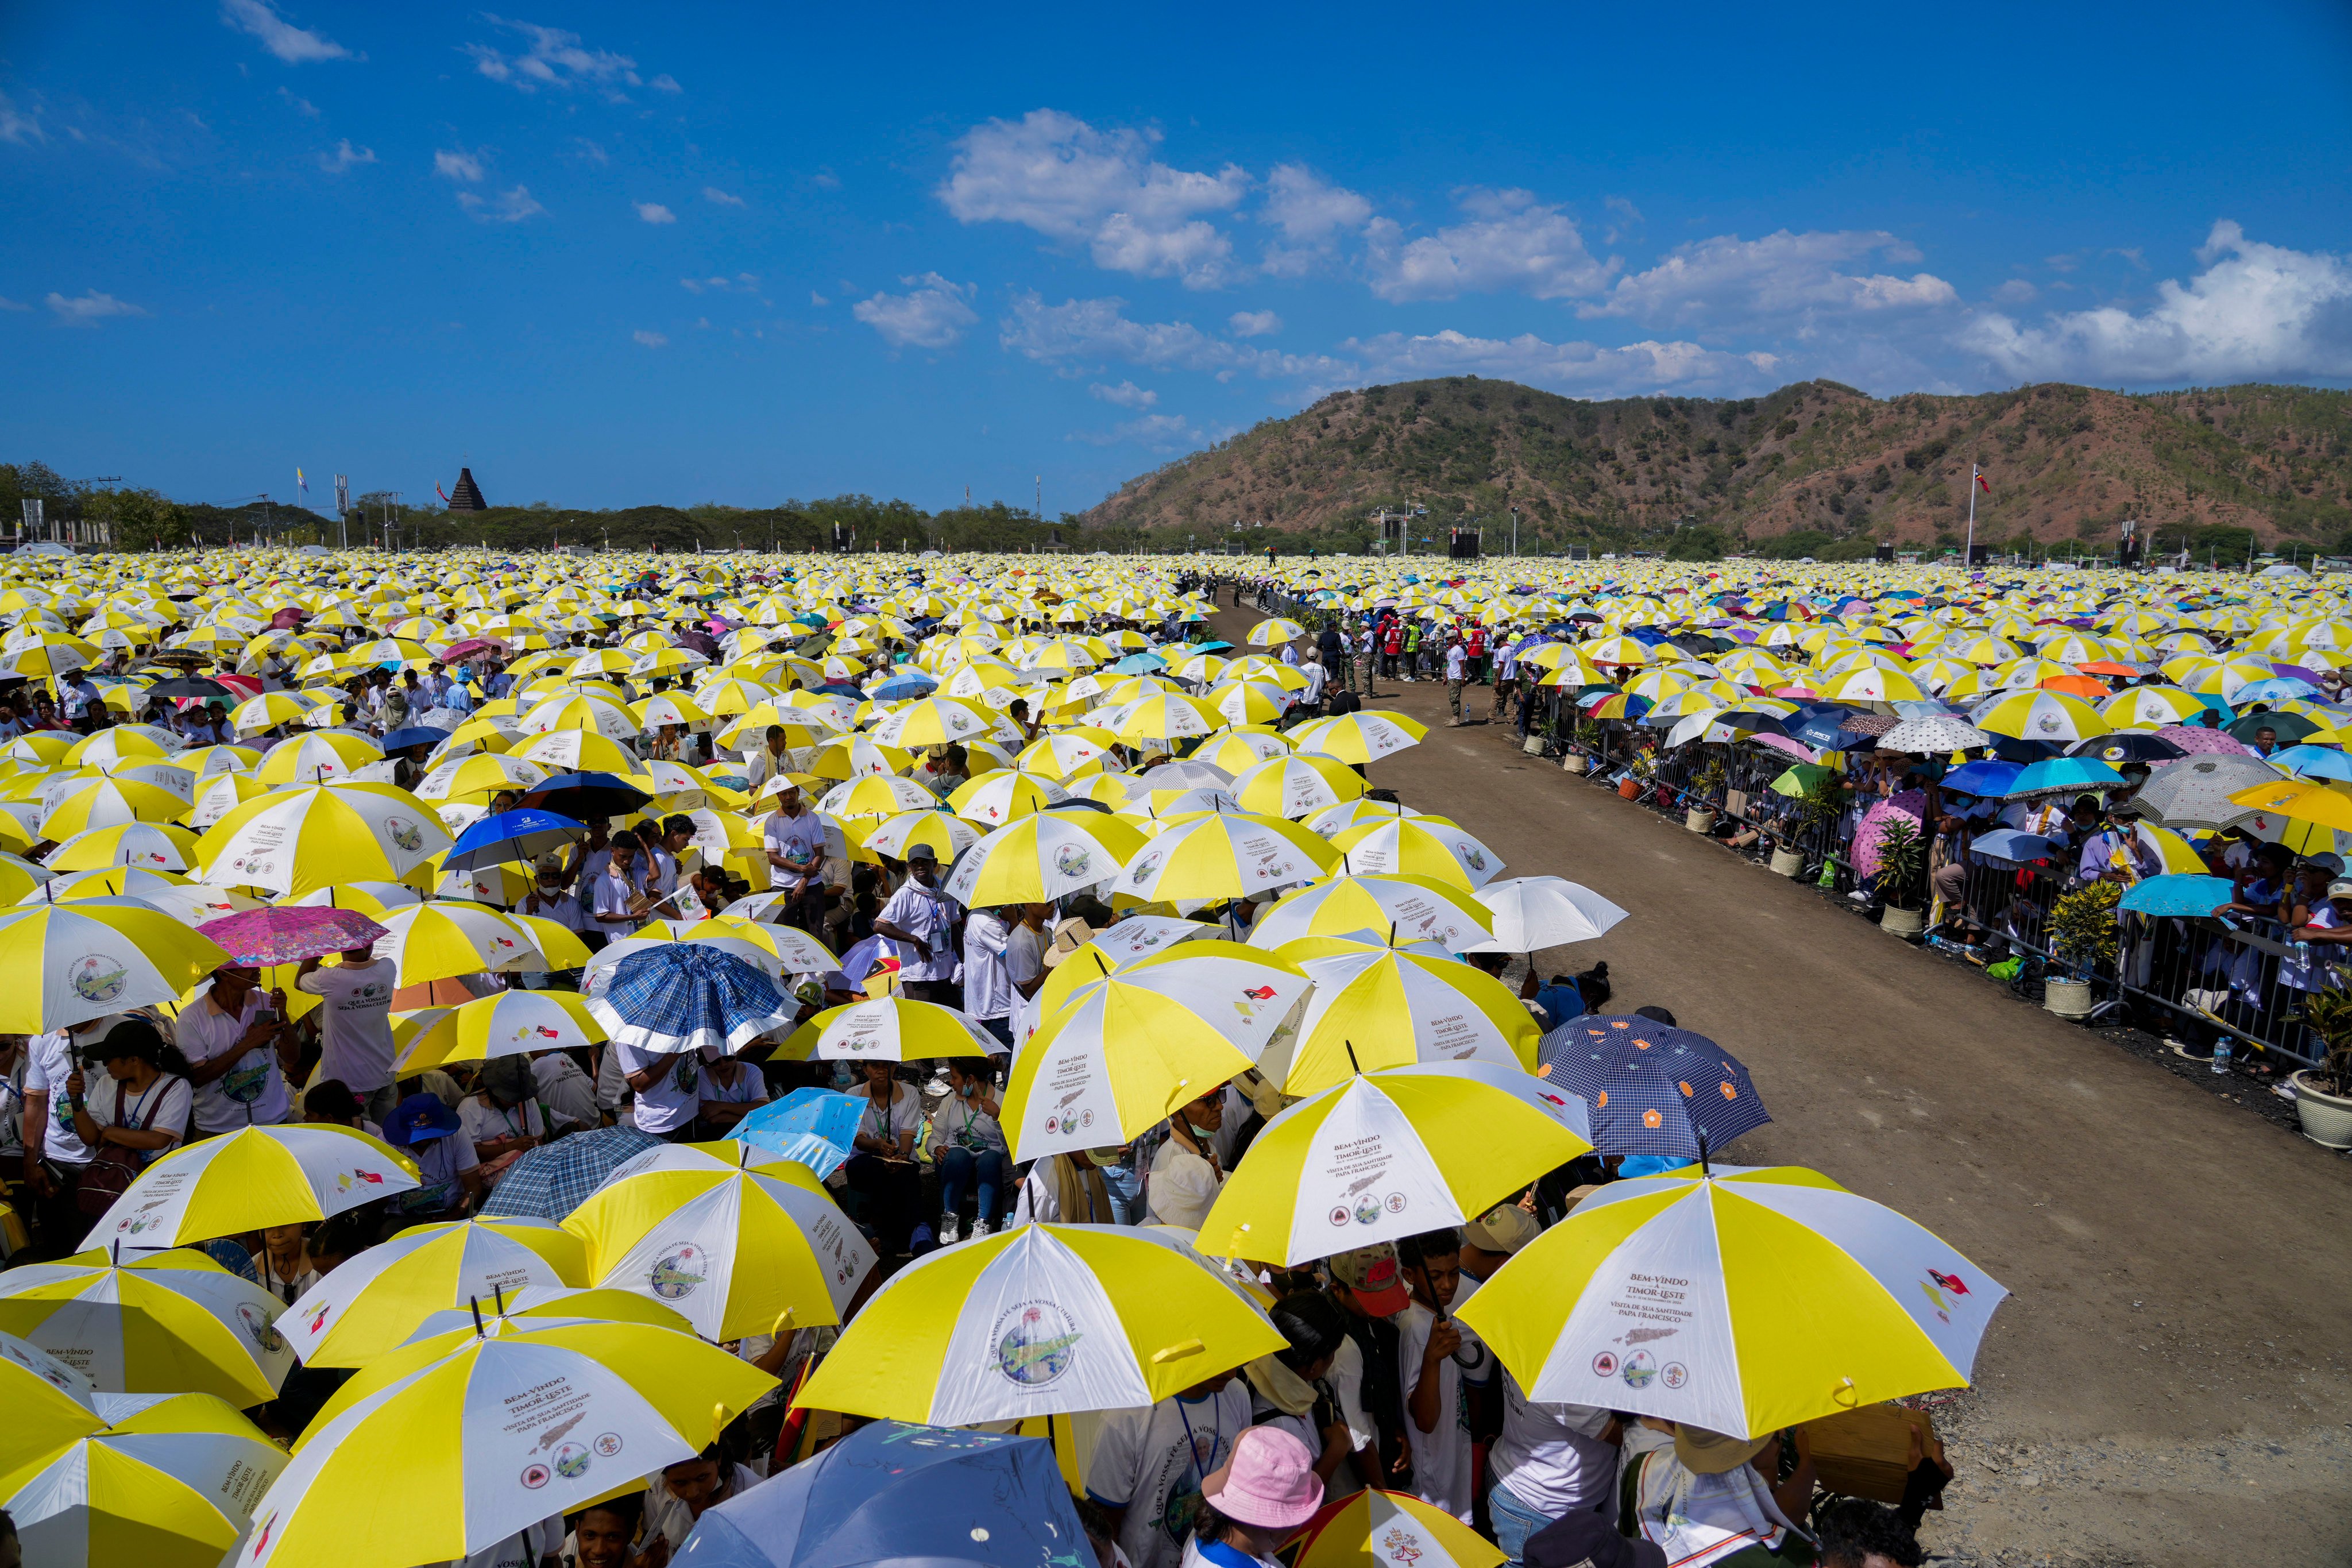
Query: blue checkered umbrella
column 1651, row 1089
column 683, row 995
column 553, row 1179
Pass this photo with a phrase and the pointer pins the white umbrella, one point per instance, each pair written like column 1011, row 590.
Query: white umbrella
column 1534, row 913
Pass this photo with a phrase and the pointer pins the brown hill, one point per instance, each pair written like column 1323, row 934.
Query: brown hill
column 1816, row 461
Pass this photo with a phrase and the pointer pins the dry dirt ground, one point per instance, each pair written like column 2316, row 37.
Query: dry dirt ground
column 2167, row 1383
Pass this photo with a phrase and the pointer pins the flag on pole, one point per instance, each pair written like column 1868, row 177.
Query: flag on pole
column 442, row 493
column 1982, row 483
column 301, row 483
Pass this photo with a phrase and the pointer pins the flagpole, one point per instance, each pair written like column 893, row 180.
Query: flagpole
column 1968, row 556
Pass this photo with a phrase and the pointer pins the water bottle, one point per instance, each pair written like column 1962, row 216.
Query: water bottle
column 2222, row 1055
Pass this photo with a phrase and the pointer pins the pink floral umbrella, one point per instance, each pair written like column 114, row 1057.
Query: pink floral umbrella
column 1911, row 803
column 2195, row 737
column 288, row 933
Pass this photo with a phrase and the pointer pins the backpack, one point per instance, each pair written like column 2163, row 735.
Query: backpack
column 113, row 1168
column 1341, row 702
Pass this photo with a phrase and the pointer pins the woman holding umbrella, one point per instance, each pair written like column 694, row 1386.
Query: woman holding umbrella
column 882, row 1169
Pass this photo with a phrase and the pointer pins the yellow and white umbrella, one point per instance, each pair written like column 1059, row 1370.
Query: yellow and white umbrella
column 317, row 758
column 1224, row 855
column 1041, row 857
column 84, row 804
column 1742, row 1301
column 1418, row 847
column 1043, row 1319
column 586, row 1408
column 1379, row 1007
column 149, row 846
column 875, row 794
column 1362, row 737
column 509, row 1024
column 1129, row 1047
column 250, row 1180
column 1391, row 1530
column 574, row 711
column 1274, row 633
column 1296, row 784
column 449, row 937
column 995, row 799
column 932, row 721
column 68, row 963
column 888, row 1029
column 731, row 1250
column 168, row 1481
column 291, row 842
column 1390, row 1155
column 1394, row 910
column 163, row 1323
column 947, row 834
column 374, row 1300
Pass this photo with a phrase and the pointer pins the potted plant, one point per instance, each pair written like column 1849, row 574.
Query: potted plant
column 1902, row 873
column 1698, row 814
column 2323, row 1095
column 2083, row 934
column 1584, row 743
column 1817, row 807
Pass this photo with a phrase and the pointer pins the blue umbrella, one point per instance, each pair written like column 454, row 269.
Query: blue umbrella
column 2055, row 774
column 1983, row 778
column 2181, row 893
column 2314, row 762
column 2277, row 689
column 520, row 835
column 928, row 1497
column 1143, row 663
column 1823, row 730
column 906, row 683
column 586, row 794
column 813, row 1126
column 1652, row 1090
column 682, row 996
column 415, row 735
column 2015, row 847
column 551, row 1180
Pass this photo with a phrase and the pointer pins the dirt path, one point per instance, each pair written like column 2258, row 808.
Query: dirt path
column 2168, row 1381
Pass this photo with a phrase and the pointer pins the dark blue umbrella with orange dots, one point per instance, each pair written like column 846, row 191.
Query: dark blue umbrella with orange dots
column 1652, row 1090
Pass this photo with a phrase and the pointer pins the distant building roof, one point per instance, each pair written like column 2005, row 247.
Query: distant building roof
column 466, row 495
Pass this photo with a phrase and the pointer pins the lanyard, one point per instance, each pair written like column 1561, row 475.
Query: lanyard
column 1192, row 1444
column 886, row 1109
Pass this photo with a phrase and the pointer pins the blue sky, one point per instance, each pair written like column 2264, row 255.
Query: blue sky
column 612, row 255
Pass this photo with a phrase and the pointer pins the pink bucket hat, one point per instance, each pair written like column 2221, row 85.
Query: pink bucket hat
column 1269, row 1482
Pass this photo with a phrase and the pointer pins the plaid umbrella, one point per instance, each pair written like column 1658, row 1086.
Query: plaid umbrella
column 551, row 1180
column 683, row 995
column 1651, row 1089
column 289, row 933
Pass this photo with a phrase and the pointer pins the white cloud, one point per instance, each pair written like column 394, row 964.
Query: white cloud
column 935, row 314
column 651, row 340
column 1055, row 173
column 344, row 156
column 1077, row 332
column 1511, row 241
column 458, row 165
column 18, row 127
column 713, row 193
column 8, row 304
column 817, row 298
column 654, row 212
column 2016, row 291
column 1160, row 432
column 91, row 309
column 742, row 283
column 555, row 59
column 1253, row 323
column 1783, row 279
column 1584, row 369
column 294, row 46
column 1311, row 213
column 511, row 206
column 664, row 83
column 2257, row 312
column 302, row 106
column 1126, row 394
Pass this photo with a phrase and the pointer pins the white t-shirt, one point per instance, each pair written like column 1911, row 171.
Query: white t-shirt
column 1024, row 956
column 1441, row 1457
column 48, row 1062
column 987, row 980
column 563, row 907
column 483, row 1123
column 926, row 913
column 749, row 1088
column 805, row 833
column 1315, row 676
column 1456, row 661
column 355, row 1033
column 961, row 1123
column 566, row 1089
column 1151, row 1462
column 162, row 1109
column 675, row 1095
column 887, row 1119
column 253, row 1092
column 524, row 1549
column 439, row 1163
column 1551, row 1456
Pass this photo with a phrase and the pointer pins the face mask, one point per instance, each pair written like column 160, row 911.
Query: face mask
column 969, row 1091
column 1199, row 1130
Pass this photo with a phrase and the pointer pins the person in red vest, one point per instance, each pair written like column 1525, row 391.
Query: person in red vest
column 1474, row 645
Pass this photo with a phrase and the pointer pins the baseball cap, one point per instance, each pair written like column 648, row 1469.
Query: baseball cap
column 2327, row 861
column 1371, row 1273
column 2341, row 889
column 1506, row 1230
column 922, row 852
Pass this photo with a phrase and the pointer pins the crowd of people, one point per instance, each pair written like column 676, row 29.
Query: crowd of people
column 1378, row 1385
